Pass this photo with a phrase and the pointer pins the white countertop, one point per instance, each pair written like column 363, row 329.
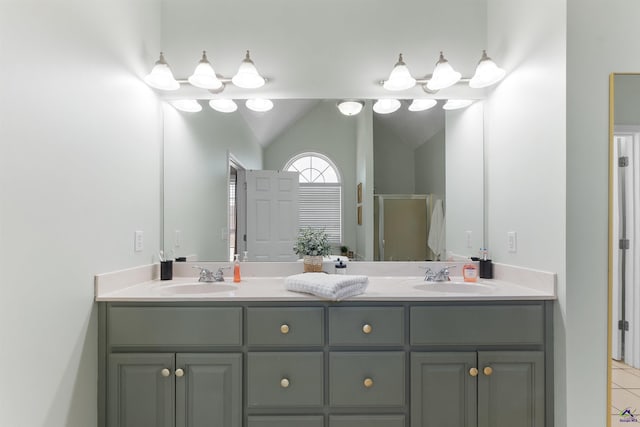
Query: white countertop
column 531, row 285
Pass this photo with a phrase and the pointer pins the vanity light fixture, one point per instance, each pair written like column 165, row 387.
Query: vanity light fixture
column 455, row 104
column 161, row 76
column 487, row 73
column 350, row 108
column 443, row 75
column 259, row 105
column 400, row 77
column 204, row 76
column 223, row 105
column 247, row 76
column 386, row 106
column 422, row 104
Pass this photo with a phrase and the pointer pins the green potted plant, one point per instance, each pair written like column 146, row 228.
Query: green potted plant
column 313, row 245
column 344, row 250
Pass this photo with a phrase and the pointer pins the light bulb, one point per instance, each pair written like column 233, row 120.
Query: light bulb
column 400, row 77
column 487, row 73
column 161, row 76
column 204, row 76
column 443, row 75
column 422, row 104
column 386, row 106
column 223, row 105
column 247, row 76
column 259, row 105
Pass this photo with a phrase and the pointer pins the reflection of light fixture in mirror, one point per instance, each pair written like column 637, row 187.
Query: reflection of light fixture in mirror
column 204, row 76
column 454, row 104
column 487, row 73
column 187, row 105
column 247, row 76
column 400, row 77
column 350, row 108
column 386, row 106
column 259, row 105
column 443, row 75
column 161, row 76
column 223, row 105
column 422, row 104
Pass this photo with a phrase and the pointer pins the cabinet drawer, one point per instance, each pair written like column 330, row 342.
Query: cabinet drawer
column 367, row 379
column 366, row 326
column 366, row 421
column 286, row 421
column 285, row 326
column 163, row 326
column 292, row 379
column 477, row 325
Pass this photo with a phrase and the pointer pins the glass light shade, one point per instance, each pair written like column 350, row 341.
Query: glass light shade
column 259, row 105
column 400, row 77
column 487, row 73
column 204, row 76
column 350, row 108
column 454, row 104
column 386, row 106
column 161, row 76
column 247, row 76
column 422, row 104
column 443, row 75
column 223, row 105
column 187, row 105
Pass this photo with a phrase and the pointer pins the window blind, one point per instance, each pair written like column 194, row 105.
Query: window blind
column 320, row 207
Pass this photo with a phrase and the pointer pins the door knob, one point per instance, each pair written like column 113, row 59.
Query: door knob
column 366, row 328
column 179, row 373
column 284, row 328
column 165, row 372
column 284, row 383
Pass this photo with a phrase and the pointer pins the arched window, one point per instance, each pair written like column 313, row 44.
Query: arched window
column 320, row 203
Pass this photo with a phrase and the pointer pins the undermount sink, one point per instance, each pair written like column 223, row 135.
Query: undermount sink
column 457, row 287
column 197, row 288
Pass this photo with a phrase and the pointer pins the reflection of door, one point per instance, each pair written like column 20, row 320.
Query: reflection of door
column 272, row 215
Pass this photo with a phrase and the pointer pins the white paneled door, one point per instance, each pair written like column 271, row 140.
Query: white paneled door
column 272, row 215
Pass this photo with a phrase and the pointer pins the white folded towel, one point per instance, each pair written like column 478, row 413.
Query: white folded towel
column 335, row 287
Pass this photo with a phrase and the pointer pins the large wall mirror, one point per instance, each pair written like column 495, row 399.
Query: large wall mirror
column 434, row 153
column 624, row 247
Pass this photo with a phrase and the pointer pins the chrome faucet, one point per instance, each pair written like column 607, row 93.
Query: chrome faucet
column 440, row 276
column 207, row 275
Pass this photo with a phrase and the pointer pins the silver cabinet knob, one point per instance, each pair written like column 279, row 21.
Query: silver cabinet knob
column 179, row 373
column 165, row 372
column 284, row 328
column 284, row 383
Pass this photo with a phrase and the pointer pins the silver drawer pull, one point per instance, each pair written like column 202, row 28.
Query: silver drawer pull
column 368, row 383
column 367, row 328
column 284, row 328
column 284, row 383
column 165, row 372
column 179, row 373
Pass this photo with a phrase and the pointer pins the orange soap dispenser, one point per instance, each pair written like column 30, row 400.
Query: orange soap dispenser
column 470, row 273
column 236, row 268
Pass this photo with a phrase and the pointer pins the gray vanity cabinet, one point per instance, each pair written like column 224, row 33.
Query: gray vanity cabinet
column 324, row 364
column 484, row 389
column 160, row 389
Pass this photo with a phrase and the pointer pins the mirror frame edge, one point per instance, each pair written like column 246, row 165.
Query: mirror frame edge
column 612, row 78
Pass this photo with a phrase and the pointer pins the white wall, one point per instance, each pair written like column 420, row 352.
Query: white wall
column 464, row 179
column 602, row 38
column 80, row 168
column 364, row 172
column 525, row 150
column 429, row 166
column 393, row 160
column 196, row 147
column 323, row 130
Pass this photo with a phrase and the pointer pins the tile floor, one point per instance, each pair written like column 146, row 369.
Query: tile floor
column 625, row 393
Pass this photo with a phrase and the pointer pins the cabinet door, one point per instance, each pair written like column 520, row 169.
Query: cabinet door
column 511, row 390
column 443, row 389
column 208, row 390
column 141, row 390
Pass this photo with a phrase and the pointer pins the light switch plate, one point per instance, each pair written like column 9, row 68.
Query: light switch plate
column 512, row 241
column 139, row 240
